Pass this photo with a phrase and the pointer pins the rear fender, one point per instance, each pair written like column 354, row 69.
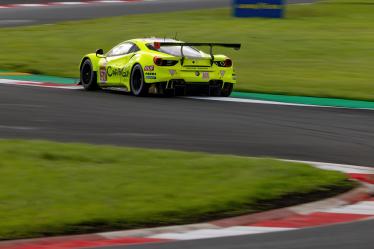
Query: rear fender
column 94, row 60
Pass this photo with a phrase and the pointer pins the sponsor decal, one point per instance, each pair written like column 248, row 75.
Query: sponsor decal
column 112, row 72
column 205, row 75
column 172, row 72
column 222, row 73
column 149, row 68
column 150, row 77
column 102, row 71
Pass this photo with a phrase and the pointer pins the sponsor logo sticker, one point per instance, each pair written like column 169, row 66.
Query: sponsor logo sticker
column 114, row 72
column 222, row 73
column 205, row 75
column 149, row 68
column 172, row 72
column 103, row 77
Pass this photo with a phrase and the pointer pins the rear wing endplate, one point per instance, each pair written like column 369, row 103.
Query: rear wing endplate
column 235, row 46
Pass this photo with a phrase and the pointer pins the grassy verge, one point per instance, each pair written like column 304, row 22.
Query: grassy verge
column 49, row 188
column 323, row 49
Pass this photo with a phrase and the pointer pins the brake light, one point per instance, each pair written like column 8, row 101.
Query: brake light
column 157, row 61
column 225, row 63
column 160, row 62
column 156, row 45
column 228, row 63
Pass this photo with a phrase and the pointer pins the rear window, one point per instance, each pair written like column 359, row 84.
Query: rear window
column 176, row 50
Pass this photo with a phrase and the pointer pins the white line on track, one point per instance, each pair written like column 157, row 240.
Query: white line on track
column 108, row 1
column 53, row 3
column 363, row 207
column 67, row 3
column 267, row 102
column 224, row 99
column 11, row 127
column 21, row 105
column 345, row 168
column 29, row 5
column 38, row 84
column 15, row 21
column 253, row 101
column 215, row 233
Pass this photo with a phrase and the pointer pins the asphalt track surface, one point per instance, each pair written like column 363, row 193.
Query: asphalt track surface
column 292, row 132
column 102, row 117
column 346, row 236
column 42, row 15
column 306, row 133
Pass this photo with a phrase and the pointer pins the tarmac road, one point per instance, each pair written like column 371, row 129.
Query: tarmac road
column 51, row 14
column 308, row 133
column 357, row 235
column 44, row 15
column 304, row 133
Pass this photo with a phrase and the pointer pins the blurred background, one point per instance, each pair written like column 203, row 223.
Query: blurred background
column 64, row 167
column 318, row 49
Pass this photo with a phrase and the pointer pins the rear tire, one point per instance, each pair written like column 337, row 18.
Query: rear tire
column 227, row 89
column 138, row 86
column 88, row 76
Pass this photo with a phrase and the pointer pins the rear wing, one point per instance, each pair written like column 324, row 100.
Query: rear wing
column 235, row 46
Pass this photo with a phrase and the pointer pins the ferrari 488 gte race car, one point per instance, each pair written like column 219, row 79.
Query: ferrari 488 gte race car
column 160, row 66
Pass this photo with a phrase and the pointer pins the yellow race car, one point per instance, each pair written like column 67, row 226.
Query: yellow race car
column 160, row 66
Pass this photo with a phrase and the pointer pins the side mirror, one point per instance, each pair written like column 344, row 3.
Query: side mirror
column 100, row 51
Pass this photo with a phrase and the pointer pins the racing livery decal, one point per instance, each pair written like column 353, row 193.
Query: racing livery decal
column 112, row 72
column 103, row 76
column 205, row 75
column 149, row 68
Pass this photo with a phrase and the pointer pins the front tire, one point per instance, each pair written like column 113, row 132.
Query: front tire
column 88, row 76
column 227, row 89
column 138, row 85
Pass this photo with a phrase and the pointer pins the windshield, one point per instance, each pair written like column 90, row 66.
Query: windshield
column 176, row 50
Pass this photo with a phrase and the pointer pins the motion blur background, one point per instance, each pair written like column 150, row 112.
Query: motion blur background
column 187, row 160
column 321, row 48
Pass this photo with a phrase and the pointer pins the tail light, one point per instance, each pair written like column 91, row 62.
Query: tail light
column 160, row 62
column 228, row 63
column 157, row 45
column 157, row 61
column 225, row 63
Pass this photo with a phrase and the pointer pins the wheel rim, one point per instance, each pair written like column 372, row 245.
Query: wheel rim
column 227, row 89
column 86, row 74
column 137, row 81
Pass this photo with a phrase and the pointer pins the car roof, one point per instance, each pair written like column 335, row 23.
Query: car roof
column 154, row 39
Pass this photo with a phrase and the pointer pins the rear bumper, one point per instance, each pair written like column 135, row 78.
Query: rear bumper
column 179, row 87
column 191, row 75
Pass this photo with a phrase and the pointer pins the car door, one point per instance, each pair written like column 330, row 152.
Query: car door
column 125, row 66
column 112, row 70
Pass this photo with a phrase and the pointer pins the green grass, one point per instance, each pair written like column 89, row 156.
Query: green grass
column 323, row 49
column 49, row 188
